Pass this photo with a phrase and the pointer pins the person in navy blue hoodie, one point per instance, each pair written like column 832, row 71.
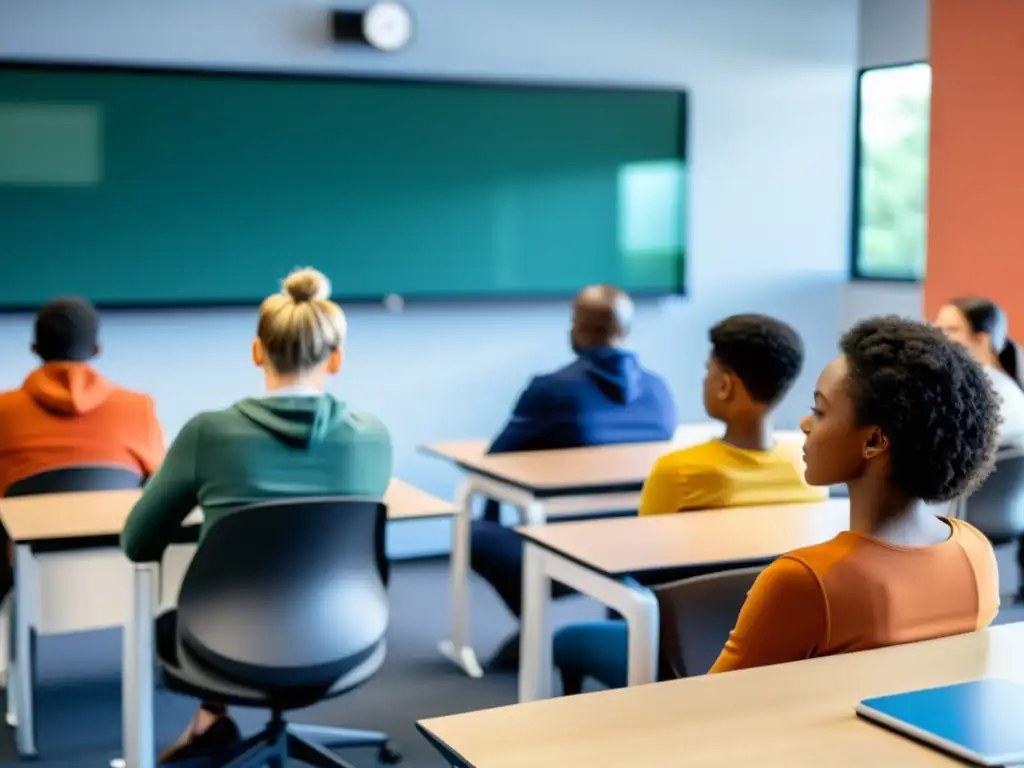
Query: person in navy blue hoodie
column 603, row 397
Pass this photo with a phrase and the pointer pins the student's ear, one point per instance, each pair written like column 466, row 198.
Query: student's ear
column 35, row 349
column 726, row 387
column 876, row 443
column 334, row 362
column 258, row 355
column 95, row 351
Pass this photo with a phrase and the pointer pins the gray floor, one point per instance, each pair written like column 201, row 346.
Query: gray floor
column 79, row 706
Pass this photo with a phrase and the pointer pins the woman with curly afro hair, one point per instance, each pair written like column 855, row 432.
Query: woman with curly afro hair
column 903, row 417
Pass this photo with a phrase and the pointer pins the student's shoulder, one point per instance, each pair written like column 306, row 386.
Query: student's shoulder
column 366, row 424
column 346, row 423
column 12, row 398
column 130, row 398
column 12, row 404
column 567, row 375
column 819, row 559
column 555, row 387
column 213, row 421
column 654, row 380
column 789, row 582
column 981, row 558
column 976, row 545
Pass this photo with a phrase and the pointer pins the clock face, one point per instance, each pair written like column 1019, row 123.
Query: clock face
column 387, row 26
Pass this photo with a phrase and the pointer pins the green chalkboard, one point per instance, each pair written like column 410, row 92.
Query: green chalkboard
column 149, row 187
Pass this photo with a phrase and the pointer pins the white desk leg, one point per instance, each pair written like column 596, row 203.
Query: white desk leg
column 535, row 630
column 10, row 678
column 5, row 636
column 637, row 605
column 26, row 604
column 643, row 626
column 534, row 513
column 137, row 696
column 458, row 648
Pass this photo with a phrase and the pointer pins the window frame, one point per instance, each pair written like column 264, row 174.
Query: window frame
column 856, row 273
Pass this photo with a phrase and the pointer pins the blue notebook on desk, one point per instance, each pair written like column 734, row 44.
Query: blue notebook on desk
column 982, row 721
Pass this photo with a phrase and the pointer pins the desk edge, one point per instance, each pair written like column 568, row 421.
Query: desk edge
column 618, row 574
column 449, row 754
column 542, row 491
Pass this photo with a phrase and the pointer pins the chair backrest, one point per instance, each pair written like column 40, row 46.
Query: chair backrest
column 81, row 478
column 288, row 594
column 996, row 508
column 697, row 615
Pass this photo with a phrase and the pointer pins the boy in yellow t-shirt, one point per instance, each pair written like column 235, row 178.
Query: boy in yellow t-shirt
column 753, row 363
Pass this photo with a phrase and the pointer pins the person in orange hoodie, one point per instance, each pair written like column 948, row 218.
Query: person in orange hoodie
column 66, row 414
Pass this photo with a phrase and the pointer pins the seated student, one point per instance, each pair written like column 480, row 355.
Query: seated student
column 753, row 362
column 981, row 327
column 67, row 414
column 292, row 441
column 601, row 398
column 904, row 418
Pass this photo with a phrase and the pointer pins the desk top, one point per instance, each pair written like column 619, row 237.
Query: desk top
column 90, row 514
column 602, row 468
column 773, row 717
column 622, row 545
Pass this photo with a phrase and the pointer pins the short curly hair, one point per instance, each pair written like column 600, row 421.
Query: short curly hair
column 765, row 353
column 930, row 398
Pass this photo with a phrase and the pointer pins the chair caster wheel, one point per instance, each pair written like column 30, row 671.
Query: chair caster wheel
column 388, row 755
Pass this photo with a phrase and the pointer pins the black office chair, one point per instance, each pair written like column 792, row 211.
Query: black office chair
column 284, row 605
column 81, row 478
column 996, row 508
column 697, row 615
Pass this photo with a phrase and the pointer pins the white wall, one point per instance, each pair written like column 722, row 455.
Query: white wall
column 891, row 32
column 771, row 87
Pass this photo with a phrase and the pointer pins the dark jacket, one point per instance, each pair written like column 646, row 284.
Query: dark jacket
column 602, row 398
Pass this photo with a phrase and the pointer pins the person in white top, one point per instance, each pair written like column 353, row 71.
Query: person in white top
column 980, row 325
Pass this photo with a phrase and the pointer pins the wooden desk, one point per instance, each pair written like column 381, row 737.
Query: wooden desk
column 539, row 484
column 799, row 714
column 66, row 553
column 407, row 502
column 89, row 514
column 563, row 472
column 592, row 556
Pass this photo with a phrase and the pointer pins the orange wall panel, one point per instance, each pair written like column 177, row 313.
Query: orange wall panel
column 976, row 165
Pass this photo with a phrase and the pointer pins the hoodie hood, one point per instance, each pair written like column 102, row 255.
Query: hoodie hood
column 298, row 421
column 616, row 372
column 73, row 389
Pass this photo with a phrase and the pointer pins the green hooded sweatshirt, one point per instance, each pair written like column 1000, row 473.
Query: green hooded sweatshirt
column 257, row 450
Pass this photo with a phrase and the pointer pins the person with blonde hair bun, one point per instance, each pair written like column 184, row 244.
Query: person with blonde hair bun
column 294, row 440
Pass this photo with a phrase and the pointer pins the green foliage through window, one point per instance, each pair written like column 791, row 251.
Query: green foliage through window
column 892, row 172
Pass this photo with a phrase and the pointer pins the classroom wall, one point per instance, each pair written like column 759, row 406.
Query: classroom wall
column 770, row 136
column 976, row 163
column 891, row 32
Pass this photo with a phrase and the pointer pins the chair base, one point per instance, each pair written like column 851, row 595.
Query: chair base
column 280, row 742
